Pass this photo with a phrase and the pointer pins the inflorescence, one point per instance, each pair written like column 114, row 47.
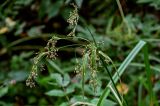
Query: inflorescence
column 50, row 52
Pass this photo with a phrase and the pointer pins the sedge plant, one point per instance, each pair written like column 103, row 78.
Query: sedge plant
column 92, row 58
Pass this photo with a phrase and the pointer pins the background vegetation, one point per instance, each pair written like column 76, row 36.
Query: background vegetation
column 27, row 25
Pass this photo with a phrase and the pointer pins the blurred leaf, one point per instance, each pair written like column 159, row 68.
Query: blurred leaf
column 144, row 1
column 20, row 28
column 57, row 77
column 153, row 3
column 26, row 54
column 42, row 101
column 49, row 8
column 76, row 98
column 61, row 81
column 5, row 104
column 3, row 91
column 64, row 104
column 67, row 1
column 70, row 89
column 106, row 102
column 66, row 80
column 65, row 12
column 34, row 31
column 53, row 65
column 54, row 9
column 23, row 2
column 157, row 87
column 18, row 75
column 55, row 92
column 79, row 3
column 43, row 6
column 32, row 99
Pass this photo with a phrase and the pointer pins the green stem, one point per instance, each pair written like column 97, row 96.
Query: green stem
column 120, row 9
column 149, row 76
column 105, row 66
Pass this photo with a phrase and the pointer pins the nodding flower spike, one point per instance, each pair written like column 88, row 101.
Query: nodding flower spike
column 73, row 20
column 50, row 52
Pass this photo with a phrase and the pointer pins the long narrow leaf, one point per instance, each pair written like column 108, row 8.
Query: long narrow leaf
column 121, row 70
column 149, row 75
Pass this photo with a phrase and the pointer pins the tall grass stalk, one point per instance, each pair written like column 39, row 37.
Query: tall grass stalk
column 149, row 76
column 123, row 17
column 140, row 95
column 105, row 67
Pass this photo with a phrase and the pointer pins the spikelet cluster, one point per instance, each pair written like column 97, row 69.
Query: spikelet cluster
column 73, row 20
column 33, row 74
column 51, row 50
column 93, row 59
column 78, row 67
column 92, row 65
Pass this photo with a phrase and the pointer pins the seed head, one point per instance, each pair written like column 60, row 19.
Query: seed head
column 73, row 20
column 51, row 49
column 73, row 17
column 32, row 77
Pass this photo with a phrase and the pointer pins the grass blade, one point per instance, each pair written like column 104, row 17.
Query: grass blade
column 121, row 69
column 149, row 76
column 110, row 76
column 140, row 95
column 115, row 94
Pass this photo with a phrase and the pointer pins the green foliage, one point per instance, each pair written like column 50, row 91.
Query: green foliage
column 153, row 3
column 121, row 69
column 3, row 91
column 81, row 68
column 52, row 8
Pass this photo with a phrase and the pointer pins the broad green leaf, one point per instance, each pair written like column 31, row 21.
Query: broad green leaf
column 58, row 78
column 55, row 92
column 66, row 80
column 70, row 89
column 76, row 98
column 54, row 9
column 61, row 80
column 55, row 66
column 107, row 102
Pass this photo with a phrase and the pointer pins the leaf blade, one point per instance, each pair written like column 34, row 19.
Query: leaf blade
column 121, row 69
